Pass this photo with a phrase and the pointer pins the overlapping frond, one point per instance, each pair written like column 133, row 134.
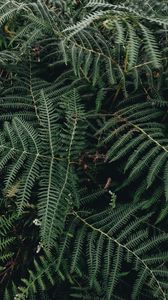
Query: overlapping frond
column 83, row 128
column 111, row 239
column 135, row 133
column 39, row 158
column 87, row 47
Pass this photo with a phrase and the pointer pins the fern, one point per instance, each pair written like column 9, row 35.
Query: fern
column 83, row 127
column 80, row 40
column 6, row 240
column 37, row 150
column 42, row 269
column 135, row 9
column 85, row 52
column 113, row 233
column 151, row 47
column 138, row 134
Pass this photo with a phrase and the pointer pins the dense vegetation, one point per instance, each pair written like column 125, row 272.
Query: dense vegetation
column 83, row 149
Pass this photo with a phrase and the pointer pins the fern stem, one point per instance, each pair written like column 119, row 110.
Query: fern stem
column 149, row 137
column 147, row 63
column 32, row 153
column 31, row 91
column 132, row 124
column 95, row 52
column 66, row 176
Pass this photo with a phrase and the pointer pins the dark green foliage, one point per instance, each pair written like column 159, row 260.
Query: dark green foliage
column 41, row 151
column 6, row 239
column 83, row 150
column 135, row 131
column 110, row 239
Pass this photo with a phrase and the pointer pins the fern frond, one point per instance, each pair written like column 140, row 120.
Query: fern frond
column 136, row 10
column 56, row 194
column 152, row 49
column 74, row 29
column 133, row 47
column 41, row 151
column 43, row 269
column 7, row 240
column 134, row 246
column 136, row 137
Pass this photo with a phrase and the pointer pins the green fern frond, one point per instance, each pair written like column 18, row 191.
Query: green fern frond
column 151, row 46
column 120, row 239
column 74, row 29
column 43, row 269
column 6, row 240
column 136, row 133
column 130, row 8
column 41, row 151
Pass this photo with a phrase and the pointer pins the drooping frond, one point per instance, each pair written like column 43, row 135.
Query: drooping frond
column 135, row 7
column 89, row 55
column 135, row 133
column 111, row 239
